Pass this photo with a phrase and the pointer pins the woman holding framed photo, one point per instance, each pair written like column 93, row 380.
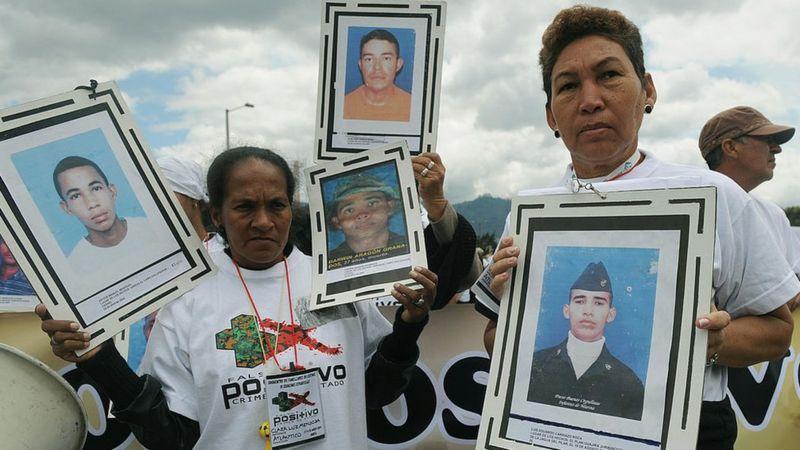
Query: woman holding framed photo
column 242, row 354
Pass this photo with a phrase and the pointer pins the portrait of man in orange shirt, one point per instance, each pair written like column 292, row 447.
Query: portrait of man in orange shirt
column 378, row 97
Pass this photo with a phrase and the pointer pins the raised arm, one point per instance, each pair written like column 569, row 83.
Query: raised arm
column 504, row 259
column 391, row 367
column 449, row 239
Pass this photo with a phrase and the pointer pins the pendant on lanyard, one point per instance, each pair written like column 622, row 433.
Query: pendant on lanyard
column 264, row 429
column 575, row 184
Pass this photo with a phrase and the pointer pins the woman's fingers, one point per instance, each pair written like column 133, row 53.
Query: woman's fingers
column 405, row 294
column 716, row 320
column 51, row 326
column 425, row 160
column 41, row 311
column 425, row 277
column 428, row 169
column 417, row 301
column 503, row 260
column 498, row 284
column 65, row 339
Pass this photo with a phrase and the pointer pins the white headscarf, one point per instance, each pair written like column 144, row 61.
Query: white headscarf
column 186, row 177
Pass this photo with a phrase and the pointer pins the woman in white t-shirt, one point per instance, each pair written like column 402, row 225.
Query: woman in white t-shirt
column 598, row 92
column 215, row 352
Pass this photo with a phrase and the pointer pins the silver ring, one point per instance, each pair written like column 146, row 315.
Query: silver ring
column 424, row 172
column 430, row 165
column 419, row 302
column 52, row 340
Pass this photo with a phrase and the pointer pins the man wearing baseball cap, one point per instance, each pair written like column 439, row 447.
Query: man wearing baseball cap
column 741, row 143
column 361, row 208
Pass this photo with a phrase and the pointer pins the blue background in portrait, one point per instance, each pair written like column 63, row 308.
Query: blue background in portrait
column 35, row 167
column 385, row 172
column 633, row 273
column 406, row 37
column 137, row 344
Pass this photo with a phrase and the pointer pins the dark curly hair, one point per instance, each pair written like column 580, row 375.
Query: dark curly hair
column 579, row 21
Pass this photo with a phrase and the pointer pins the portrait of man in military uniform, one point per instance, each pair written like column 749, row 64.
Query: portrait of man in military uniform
column 581, row 372
column 361, row 209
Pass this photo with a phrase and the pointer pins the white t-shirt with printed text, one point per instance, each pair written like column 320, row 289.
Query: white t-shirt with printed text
column 205, row 352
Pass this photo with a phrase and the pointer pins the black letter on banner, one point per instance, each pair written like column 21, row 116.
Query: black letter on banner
column 420, row 398
column 116, row 432
column 753, row 397
column 462, row 390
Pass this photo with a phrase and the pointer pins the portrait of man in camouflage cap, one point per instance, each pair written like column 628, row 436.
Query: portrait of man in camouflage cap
column 580, row 372
column 361, row 209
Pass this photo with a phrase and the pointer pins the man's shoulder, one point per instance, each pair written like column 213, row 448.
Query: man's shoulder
column 354, row 93
column 82, row 248
column 400, row 92
column 728, row 192
column 138, row 228
column 550, row 352
column 137, row 222
column 769, row 207
column 395, row 238
column 706, row 175
column 342, row 250
column 618, row 369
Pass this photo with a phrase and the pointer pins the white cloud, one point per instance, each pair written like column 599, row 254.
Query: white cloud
column 705, row 56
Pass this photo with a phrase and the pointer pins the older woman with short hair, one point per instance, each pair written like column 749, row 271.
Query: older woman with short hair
column 597, row 95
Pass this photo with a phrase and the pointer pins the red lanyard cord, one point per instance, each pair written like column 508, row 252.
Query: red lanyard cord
column 261, row 322
column 291, row 307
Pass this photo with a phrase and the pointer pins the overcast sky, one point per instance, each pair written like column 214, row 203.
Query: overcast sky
column 180, row 63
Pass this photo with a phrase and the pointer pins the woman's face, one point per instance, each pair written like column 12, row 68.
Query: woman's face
column 256, row 213
column 597, row 104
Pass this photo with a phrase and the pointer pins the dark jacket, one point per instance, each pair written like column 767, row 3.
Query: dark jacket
column 451, row 262
column 607, row 387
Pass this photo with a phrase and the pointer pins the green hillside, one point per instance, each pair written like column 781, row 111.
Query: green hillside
column 487, row 214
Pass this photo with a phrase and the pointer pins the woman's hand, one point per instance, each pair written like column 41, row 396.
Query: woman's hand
column 417, row 303
column 504, row 259
column 429, row 173
column 715, row 322
column 65, row 337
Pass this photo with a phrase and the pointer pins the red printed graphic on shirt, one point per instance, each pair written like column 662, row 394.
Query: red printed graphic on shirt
column 243, row 338
column 293, row 334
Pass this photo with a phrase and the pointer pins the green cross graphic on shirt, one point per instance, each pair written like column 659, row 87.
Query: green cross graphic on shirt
column 242, row 338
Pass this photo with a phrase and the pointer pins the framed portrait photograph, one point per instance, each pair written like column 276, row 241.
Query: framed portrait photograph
column 366, row 225
column 16, row 292
column 596, row 345
column 380, row 76
column 84, row 209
